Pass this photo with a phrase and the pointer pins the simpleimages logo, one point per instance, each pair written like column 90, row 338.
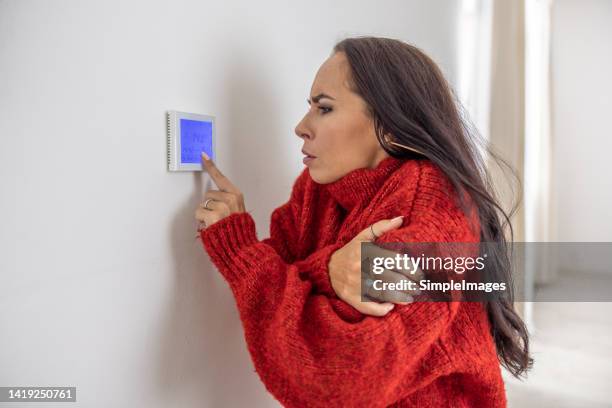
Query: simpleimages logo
column 427, row 271
column 487, row 271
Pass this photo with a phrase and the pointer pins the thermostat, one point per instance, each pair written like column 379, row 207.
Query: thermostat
column 189, row 134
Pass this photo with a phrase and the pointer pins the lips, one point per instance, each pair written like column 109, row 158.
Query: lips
column 304, row 152
column 307, row 157
column 307, row 160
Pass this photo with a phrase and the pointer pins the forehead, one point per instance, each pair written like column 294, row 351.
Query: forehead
column 332, row 77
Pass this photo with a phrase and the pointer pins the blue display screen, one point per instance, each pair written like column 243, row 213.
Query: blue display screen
column 196, row 137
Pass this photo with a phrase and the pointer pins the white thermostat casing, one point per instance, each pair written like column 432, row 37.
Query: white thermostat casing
column 188, row 135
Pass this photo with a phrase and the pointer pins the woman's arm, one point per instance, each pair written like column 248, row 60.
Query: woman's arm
column 285, row 234
column 285, row 222
column 308, row 351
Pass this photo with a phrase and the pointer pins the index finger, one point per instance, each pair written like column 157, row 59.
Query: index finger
column 219, row 178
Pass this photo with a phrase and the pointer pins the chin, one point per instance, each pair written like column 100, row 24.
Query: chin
column 322, row 177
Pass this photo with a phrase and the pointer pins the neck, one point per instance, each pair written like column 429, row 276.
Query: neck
column 358, row 186
column 380, row 156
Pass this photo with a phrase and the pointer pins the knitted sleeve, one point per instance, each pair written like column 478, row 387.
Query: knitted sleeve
column 284, row 222
column 284, row 236
column 304, row 350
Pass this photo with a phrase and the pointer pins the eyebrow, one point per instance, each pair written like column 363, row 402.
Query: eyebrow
column 317, row 98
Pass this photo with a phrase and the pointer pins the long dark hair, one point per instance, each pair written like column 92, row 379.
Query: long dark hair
column 409, row 98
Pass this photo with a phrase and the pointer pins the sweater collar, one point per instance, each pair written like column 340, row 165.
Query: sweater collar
column 360, row 185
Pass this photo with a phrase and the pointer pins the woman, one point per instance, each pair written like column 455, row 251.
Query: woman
column 383, row 138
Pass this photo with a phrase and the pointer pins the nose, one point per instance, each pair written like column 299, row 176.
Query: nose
column 302, row 131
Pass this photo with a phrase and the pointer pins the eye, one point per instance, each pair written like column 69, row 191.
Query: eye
column 325, row 109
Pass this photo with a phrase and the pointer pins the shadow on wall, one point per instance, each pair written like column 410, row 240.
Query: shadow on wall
column 203, row 350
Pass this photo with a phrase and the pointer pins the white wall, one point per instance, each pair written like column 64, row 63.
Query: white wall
column 582, row 105
column 103, row 286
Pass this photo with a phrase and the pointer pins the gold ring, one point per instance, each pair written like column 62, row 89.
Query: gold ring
column 206, row 203
column 373, row 234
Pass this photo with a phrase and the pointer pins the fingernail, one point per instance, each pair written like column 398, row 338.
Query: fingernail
column 390, row 307
column 205, row 156
column 398, row 218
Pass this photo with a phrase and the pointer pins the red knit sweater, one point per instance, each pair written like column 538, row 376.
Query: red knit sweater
column 312, row 349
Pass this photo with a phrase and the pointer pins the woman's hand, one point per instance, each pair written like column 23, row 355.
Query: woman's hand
column 218, row 204
column 345, row 273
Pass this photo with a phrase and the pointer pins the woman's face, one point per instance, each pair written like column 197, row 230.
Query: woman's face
column 337, row 130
